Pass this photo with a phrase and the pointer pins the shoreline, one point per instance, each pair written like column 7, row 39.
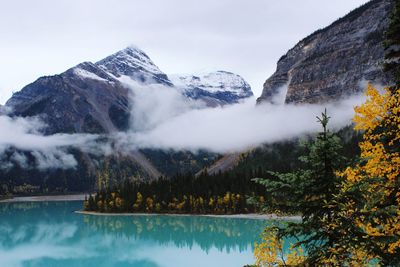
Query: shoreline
column 74, row 197
column 81, row 197
column 253, row 216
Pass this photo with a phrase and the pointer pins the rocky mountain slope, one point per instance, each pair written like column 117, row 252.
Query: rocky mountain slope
column 94, row 98
column 335, row 61
column 89, row 97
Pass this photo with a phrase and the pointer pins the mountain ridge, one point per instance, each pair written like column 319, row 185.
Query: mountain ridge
column 332, row 62
column 96, row 98
column 93, row 98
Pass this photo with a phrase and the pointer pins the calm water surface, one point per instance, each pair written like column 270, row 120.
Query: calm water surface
column 50, row 234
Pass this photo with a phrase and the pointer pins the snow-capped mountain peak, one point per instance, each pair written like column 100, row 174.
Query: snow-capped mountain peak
column 135, row 63
column 226, row 87
column 213, row 82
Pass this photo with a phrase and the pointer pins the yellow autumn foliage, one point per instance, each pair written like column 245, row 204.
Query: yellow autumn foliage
column 379, row 118
column 270, row 251
column 367, row 224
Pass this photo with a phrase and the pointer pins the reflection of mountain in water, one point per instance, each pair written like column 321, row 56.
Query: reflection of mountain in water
column 20, row 222
column 207, row 232
column 24, row 222
column 51, row 234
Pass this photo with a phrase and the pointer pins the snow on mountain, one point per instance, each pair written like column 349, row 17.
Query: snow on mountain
column 96, row 97
column 87, row 74
column 216, row 88
column 93, row 98
column 134, row 63
column 214, row 82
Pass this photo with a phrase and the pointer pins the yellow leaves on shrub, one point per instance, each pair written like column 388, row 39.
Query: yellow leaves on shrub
column 270, row 251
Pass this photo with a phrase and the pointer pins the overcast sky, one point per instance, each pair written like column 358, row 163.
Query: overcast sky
column 45, row 37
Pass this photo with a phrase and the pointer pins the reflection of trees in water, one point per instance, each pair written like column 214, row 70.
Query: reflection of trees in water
column 182, row 231
column 52, row 235
column 22, row 222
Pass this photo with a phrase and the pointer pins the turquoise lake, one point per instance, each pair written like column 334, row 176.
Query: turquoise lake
column 50, row 234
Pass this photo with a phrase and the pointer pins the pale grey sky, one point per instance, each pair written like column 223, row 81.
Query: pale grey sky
column 45, row 37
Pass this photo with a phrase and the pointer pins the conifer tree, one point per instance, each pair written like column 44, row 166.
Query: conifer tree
column 308, row 190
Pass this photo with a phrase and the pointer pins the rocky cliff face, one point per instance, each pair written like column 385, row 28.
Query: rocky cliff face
column 334, row 62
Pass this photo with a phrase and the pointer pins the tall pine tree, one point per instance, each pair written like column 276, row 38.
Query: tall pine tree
column 308, row 190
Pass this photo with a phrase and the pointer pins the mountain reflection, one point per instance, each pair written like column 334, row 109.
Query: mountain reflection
column 51, row 234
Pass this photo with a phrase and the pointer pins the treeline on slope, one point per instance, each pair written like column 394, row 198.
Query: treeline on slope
column 27, row 179
column 21, row 173
column 221, row 193
column 30, row 178
column 284, row 156
column 170, row 162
